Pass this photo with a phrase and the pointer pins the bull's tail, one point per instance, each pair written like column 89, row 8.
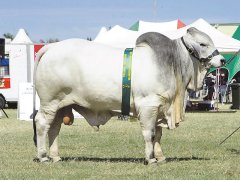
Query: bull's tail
column 40, row 53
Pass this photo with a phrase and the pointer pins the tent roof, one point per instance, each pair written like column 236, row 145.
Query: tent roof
column 122, row 37
column 101, row 32
column 21, row 37
column 144, row 26
column 236, row 34
column 118, row 37
column 135, row 26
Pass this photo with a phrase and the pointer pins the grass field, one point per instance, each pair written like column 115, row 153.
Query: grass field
column 117, row 150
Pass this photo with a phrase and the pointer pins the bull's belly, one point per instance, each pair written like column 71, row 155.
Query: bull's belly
column 98, row 99
column 100, row 103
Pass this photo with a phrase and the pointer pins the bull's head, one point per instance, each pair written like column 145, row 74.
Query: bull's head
column 203, row 52
column 201, row 46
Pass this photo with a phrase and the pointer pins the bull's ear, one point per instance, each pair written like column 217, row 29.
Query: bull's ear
column 192, row 30
column 192, row 44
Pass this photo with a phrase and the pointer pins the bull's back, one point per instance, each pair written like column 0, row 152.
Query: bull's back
column 80, row 71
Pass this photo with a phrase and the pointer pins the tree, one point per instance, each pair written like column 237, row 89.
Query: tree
column 50, row 40
column 41, row 41
column 89, row 38
column 8, row 36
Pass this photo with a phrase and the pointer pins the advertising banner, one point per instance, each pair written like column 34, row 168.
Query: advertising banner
column 4, row 83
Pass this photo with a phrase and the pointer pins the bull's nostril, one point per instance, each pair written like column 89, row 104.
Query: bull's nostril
column 223, row 61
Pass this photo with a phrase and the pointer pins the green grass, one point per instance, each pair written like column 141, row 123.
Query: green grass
column 117, row 150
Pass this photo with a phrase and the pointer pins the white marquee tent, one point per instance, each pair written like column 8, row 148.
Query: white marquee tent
column 19, row 64
column 118, row 37
column 144, row 26
column 21, row 68
column 21, row 37
column 102, row 31
column 121, row 37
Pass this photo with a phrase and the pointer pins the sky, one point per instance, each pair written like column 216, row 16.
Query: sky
column 63, row 19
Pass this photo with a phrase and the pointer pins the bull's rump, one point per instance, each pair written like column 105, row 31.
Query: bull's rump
column 82, row 72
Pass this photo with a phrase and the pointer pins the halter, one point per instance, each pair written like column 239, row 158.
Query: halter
column 202, row 60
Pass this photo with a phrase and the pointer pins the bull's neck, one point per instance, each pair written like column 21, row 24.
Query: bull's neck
column 187, row 66
column 195, row 69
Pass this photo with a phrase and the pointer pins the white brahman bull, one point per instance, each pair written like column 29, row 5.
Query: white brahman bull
column 87, row 77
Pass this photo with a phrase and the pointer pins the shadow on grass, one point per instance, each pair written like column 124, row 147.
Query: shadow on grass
column 186, row 159
column 234, row 151
column 131, row 160
column 96, row 159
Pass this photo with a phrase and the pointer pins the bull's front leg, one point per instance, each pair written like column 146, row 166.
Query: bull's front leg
column 148, row 117
column 53, row 137
column 157, row 147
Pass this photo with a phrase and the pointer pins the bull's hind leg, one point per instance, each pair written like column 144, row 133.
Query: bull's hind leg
column 43, row 122
column 42, row 130
column 53, row 136
column 148, row 117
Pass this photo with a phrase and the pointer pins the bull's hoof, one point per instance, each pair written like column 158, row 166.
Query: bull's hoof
column 56, row 159
column 45, row 159
column 150, row 161
column 161, row 160
column 95, row 128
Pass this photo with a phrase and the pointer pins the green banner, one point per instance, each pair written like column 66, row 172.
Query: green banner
column 126, row 81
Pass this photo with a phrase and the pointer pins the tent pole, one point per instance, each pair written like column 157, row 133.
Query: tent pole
column 217, row 89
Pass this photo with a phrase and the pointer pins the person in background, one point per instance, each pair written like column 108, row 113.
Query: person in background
column 229, row 91
column 222, row 88
column 210, row 83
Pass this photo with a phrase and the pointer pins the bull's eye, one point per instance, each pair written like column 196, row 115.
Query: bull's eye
column 203, row 45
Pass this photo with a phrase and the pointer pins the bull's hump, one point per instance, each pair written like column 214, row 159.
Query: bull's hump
column 152, row 38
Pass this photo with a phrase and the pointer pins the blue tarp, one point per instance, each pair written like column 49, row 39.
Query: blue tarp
column 4, row 62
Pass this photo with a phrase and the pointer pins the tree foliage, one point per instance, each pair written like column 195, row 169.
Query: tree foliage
column 89, row 38
column 8, row 36
column 50, row 40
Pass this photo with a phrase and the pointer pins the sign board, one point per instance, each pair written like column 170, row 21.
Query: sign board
column 25, row 102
